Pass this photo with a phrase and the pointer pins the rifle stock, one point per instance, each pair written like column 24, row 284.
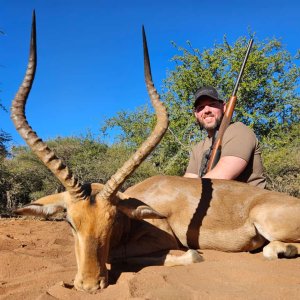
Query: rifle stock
column 217, row 146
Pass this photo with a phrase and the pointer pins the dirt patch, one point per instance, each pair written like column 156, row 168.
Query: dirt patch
column 37, row 261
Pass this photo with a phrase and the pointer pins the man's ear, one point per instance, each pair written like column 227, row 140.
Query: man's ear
column 136, row 209
column 224, row 107
column 45, row 206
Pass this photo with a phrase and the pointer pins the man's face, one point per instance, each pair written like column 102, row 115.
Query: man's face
column 209, row 113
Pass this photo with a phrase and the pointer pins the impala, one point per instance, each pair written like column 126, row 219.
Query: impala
column 181, row 213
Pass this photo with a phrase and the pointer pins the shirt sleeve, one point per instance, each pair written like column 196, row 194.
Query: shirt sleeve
column 239, row 141
column 192, row 166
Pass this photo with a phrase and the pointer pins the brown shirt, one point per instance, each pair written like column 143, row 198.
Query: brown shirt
column 239, row 141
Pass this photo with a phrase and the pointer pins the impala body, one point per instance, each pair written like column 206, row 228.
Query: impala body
column 159, row 214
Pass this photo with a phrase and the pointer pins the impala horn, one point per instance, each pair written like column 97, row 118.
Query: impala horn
column 47, row 156
column 116, row 180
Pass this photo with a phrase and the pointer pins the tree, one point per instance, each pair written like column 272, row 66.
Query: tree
column 4, row 172
column 267, row 96
column 25, row 178
column 4, row 138
column 282, row 160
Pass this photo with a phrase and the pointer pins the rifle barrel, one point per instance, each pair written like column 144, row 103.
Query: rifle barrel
column 242, row 68
column 216, row 146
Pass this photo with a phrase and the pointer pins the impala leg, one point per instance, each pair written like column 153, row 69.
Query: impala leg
column 146, row 239
column 273, row 249
column 187, row 258
column 152, row 247
column 279, row 223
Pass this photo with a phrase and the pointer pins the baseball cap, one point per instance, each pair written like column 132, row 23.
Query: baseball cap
column 207, row 91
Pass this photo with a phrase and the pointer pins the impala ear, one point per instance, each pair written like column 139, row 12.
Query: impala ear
column 136, row 209
column 45, row 207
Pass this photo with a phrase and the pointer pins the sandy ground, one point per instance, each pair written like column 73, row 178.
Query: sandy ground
column 37, row 262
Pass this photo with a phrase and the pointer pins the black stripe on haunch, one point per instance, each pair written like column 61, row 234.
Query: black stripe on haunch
column 192, row 235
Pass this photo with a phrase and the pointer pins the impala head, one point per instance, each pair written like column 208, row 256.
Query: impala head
column 91, row 208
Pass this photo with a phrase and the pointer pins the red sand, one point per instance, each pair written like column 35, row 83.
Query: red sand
column 37, row 261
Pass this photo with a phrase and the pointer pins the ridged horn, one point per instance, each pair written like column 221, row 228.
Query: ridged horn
column 116, row 180
column 47, row 156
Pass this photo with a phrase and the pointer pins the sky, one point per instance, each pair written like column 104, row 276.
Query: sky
column 90, row 63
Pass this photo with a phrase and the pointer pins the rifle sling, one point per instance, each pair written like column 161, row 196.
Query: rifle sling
column 206, row 156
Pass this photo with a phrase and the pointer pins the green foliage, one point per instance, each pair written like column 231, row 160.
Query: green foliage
column 25, row 178
column 116, row 155
column 30, row 179
column 82, row 155
column 4, row 185
column 4, row 138
column 266, row 96
column 136, row 126
column 282, row 160
column 4, row 172
column 268, row 100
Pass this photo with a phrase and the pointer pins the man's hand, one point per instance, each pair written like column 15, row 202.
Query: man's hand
column 191, row 175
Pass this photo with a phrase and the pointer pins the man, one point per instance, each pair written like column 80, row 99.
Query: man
column 240, row 156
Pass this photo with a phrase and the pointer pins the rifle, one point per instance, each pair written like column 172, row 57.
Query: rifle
column 217, row 141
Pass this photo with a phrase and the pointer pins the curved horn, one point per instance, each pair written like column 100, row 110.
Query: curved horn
column 115, row 182
column 40, row 148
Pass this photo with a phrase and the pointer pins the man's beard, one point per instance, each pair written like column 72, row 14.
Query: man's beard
column 211, row 126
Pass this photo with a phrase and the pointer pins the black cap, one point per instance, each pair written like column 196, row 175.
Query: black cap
column 207, row 91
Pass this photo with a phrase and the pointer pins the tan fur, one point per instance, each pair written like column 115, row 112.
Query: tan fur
column 239, row 218
column 235, row 214
column 229, row 216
